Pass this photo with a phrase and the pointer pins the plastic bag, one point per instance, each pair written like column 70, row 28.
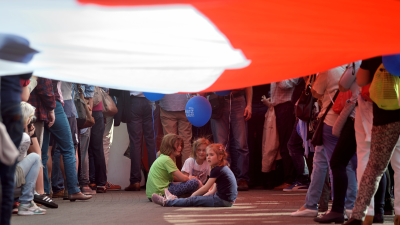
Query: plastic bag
column 384, row 90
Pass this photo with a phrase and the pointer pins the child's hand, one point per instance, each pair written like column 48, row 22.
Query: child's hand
column 192, row 177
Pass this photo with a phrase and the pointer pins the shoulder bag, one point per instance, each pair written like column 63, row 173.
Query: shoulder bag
column 84, row 117
column 109, row 107
column 304, row 106
column 317, row 137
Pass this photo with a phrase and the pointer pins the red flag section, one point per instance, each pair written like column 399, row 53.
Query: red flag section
column 288, row 38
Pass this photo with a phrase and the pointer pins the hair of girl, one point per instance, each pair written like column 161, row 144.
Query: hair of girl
column 168, row 143
column 219, row 150
column 27, row 111
column 196, row 144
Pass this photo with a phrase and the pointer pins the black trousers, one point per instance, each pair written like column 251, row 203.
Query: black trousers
column 285, row 120
column 345, row 149
column 96, row 153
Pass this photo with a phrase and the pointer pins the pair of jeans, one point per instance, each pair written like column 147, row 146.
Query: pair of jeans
column 285, row 120
column 108, row 138
column 144, row 119
column 182, row 188
column 254, row 140
column 296, row 151
column 205, row 201
column 344, row 175
column 97, row 162
column 57, row 178
column 83, row 167
column 230, row 130
column 30, row 165
column 12, row 119
column 62, row 135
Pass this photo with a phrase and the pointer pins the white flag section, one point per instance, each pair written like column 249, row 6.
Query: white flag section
column 162, row 49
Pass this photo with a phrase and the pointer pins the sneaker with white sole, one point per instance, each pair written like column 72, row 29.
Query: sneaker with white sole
column 297, row 186
column 305, row 213
column 158, row 199
column 30, row 209
column 168, row 195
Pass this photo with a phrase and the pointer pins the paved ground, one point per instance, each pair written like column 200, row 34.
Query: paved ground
column 120, row 207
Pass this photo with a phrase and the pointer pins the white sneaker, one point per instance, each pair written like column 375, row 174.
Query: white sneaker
column 305, row 213
column 168, row 195
column 30, row 209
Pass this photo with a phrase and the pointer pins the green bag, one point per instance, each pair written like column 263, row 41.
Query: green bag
column 384, row 90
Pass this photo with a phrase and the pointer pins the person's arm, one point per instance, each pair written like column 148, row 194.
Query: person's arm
column 249, row 98
column 25, row 94
column 182, row 177
column 212, row 191
column 205, row 188
column 184, row 173
column 363, row 77
column 317, row 81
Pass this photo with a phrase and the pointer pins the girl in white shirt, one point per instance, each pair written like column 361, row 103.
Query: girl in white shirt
column 197, row 165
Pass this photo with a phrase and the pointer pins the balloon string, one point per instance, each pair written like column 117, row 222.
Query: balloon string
column 154, row 131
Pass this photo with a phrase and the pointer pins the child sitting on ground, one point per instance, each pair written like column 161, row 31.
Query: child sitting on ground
column 164, row 171
column 197, row 165
column 224, row 192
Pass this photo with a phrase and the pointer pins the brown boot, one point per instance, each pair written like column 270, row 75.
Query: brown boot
column 368, row 220
column 133, row 187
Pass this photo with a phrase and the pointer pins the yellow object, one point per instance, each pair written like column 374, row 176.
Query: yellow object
column 384, row 90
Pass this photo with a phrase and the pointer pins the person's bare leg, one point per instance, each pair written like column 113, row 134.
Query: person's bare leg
column 62, row 166
column 36, row 149
column 77, row 158
column 50, row 162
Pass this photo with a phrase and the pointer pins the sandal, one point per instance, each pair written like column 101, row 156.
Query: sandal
column 44, row 200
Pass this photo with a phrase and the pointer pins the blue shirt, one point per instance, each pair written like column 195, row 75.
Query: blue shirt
column 174, row 102
column 226, row 183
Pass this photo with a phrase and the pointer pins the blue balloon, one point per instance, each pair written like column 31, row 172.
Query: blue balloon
column 392, row 64
column 223, row 93
column 153, row 96
column 198, row 111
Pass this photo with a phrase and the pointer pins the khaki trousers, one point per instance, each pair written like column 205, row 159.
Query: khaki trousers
column 177, row 123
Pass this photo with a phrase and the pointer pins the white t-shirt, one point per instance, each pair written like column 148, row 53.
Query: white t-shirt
column 327, row 83
column 200, row 171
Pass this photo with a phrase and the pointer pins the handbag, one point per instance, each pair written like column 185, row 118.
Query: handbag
column 109, row 107
column 341, row 100
column 84, row 117
column 304, row 106
column 97, row 96
column 317, row 137
column 217, row 106
column 384, row 89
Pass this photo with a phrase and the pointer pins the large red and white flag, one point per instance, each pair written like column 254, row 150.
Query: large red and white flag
column 168, row 46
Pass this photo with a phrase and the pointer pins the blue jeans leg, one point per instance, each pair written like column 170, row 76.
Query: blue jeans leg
column 205, row 201
column 329, row 141
column 320, row 166
column 62, row 135
column 31, row 166
column 232, row 127
column 84, row 158
column 45, row 158
column 57, row 178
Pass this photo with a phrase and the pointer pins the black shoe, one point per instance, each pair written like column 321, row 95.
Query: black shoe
column 44, row 200
column 331, row 217
column 389, row 202
column 353, row 221
column 378, row 218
